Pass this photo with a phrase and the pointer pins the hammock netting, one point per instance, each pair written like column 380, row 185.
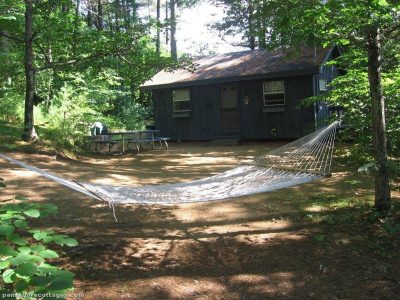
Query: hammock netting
column 301, row 161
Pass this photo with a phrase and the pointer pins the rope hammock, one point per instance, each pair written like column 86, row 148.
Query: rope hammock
column 301, row 161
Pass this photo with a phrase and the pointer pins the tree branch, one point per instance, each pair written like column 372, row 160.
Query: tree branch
column 53, row 65
column 48, row 62
column 389, row 31
column 14, row 38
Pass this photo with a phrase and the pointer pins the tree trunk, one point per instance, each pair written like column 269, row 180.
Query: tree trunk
column 167, row 21
column 126, row 14
column 382, row 188
column 89, row 15
column 29, row 128
column 158, row 28
column 252, row 39
column 76, row 25
column 261, row 22
column 65, row 8
column 174, row 53
column 100, row 26
column 117, row 15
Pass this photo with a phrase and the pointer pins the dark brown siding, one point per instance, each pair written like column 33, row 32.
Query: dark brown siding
column 329, row 73
column 204, row 120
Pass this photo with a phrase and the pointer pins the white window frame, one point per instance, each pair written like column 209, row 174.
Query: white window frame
column 274, row 92
column 180, row 100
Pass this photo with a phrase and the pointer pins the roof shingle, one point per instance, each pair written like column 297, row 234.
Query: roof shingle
column 242, row 65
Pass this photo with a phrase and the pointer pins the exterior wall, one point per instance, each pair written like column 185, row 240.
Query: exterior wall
column 204, row 120
column 328, row 73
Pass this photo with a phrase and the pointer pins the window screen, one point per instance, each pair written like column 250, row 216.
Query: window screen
column 181, row 100
column 274, row 93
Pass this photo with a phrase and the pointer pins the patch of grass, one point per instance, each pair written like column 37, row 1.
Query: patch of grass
column 320, row 237
column 390, row 227
column 335, row 202
column 354, row 182
column 336, row 209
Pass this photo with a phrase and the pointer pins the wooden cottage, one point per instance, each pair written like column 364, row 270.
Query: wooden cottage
column 250, row 95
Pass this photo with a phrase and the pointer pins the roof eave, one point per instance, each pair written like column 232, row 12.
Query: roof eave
column 182, row 84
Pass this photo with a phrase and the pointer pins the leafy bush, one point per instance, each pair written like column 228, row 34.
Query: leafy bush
column 83, row 99
column 25, row 255
column 351, row 92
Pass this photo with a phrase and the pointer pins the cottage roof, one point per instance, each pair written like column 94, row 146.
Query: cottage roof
column 251, row 64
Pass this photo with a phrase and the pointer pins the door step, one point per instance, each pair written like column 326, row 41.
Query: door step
column 226, row 141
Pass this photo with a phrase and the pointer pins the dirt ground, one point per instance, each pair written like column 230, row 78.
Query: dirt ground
column 265, row 246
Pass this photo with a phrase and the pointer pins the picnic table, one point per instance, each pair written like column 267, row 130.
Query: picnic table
column 136, row 137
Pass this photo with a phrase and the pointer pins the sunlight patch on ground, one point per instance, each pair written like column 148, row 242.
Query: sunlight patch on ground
column 248, row 227
column 265, row 285
column 215, row 211
column 122, row 178
column 23, row 173
column 315, row 208
column 259, row 239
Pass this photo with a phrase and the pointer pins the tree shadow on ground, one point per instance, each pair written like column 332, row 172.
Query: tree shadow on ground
column 284, row 244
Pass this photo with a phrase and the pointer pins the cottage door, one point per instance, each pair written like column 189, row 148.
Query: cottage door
column 229, row 111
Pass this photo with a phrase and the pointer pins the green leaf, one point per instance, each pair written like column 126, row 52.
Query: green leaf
column 43, row 235
column 21, row 286
column 20, row 224
column 9, row 276
column 19, row 259
column 35, row 259
column 4, row 264
column 7, row 251
column 37, row 248
column 27, row 269
column 2, row 185
column 48, row 254
column 6, row 229
column 16, row 239
column 47, row 239
column 34, row 213
column 62, row 274
column 61, row 284
column 65, row 240
column 21, row 198
column 71, row 242
column 39, row 235
column 41, row 280
column 23, row 258
column 24, row 250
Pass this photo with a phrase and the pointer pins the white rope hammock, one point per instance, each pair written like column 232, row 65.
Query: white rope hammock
column 301, row 161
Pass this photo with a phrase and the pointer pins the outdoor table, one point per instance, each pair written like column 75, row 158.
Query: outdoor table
column 141, row 133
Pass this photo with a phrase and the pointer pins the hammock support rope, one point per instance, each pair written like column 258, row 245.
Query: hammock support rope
column 301, row 161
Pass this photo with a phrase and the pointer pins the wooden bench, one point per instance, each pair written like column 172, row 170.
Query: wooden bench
column 135, row 141
column 162, row 140
column 99, row 140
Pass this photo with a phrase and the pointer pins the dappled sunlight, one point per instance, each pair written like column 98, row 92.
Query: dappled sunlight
column 316, row 208
column 248, row 227
column 22, row 174
column 267, row 245
column 266, row 285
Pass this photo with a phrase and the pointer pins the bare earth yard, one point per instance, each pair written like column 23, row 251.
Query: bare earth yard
column 313, row 241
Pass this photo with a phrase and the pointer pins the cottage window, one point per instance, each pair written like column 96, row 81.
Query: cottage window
column 181, row 100
column 322, row 85
column 274, row 93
